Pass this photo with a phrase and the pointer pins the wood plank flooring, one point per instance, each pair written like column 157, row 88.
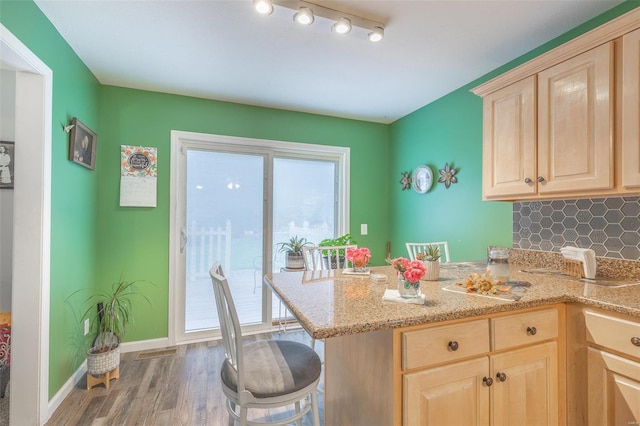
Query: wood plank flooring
column 179, row 389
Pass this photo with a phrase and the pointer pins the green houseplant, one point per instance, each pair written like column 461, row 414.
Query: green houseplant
column 293, row 249
column 113, row 314
column 431, row 260
column 343, row 240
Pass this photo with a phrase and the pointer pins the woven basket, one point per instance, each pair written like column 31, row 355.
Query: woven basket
column 103, row 362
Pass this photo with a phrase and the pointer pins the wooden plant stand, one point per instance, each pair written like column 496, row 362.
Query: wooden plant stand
column 102, row 378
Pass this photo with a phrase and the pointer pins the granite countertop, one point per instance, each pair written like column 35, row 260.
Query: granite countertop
column 330, row 303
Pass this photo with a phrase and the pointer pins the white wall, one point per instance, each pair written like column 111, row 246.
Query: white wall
column 7, row 133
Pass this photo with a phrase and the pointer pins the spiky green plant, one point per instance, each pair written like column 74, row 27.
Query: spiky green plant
column 431, row 253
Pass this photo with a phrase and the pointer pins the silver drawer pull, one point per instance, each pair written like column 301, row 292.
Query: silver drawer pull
column 531, row 331
column 501, row 377
column 635, row 341
column 487, row 381
column 453, row 346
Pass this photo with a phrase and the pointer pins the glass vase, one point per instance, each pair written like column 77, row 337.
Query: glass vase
column 359, row 267
column 407, row 289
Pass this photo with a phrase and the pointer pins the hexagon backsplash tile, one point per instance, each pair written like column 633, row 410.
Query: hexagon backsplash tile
column 609, row 226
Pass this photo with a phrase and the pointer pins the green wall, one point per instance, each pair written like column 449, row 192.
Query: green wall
column 74, row 189
column 92, row 236
column 450, row 130
column 139, row 237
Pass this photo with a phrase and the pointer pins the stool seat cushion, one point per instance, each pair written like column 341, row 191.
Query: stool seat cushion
column 274, row 368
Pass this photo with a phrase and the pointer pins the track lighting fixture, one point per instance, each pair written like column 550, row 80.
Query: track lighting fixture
column 263, row 7
column 342, row 26
column 305, row 14
column 376, row 35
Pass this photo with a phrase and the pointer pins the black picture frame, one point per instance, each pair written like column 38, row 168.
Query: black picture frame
column 82, row 144
column 7, row 164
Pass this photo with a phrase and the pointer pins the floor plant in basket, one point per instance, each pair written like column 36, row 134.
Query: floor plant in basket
column 113, row 314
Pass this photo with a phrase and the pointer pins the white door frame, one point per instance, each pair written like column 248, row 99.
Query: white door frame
column 29, row 385
column 177, row 212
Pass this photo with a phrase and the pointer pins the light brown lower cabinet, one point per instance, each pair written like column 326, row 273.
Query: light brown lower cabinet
column 517, row 387
column 614, row 389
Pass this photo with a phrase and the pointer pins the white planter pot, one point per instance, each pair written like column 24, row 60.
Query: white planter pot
column 433, row 270
column 294, row 260
column 103, row 362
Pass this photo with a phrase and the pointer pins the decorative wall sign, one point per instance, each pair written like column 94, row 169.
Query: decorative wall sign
column 405, row 180
column 447, row 176
column 138, row 176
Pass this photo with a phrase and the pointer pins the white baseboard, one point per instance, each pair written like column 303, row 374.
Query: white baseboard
column 145, row 345
column 66, row 389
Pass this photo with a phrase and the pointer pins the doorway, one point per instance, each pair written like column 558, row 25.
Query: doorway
column 31, row 252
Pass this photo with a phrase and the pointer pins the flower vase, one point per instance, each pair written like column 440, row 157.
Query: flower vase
column 359, row 267
column 407, row 289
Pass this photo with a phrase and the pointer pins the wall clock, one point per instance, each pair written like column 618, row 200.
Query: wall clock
column 422, row 179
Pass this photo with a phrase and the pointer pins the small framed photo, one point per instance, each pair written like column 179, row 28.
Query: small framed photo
column 7, row 164
column 82, row 145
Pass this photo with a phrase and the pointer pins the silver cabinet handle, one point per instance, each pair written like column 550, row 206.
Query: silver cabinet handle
column 635, row 341
column 540, row 179
column 527, row 180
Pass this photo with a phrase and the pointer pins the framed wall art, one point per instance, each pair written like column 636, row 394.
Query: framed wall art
column 7, row 164
column 82, row 144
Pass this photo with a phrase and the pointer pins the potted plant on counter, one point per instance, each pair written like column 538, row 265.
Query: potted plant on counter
column 337, row 261
column 431, row 260
column 293, row 249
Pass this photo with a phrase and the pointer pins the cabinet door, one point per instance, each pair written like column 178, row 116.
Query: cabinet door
column 614, row 389
column 453, row 395
column 525, row 388
column 509, row 137
column 575, row 110
column 631, row 109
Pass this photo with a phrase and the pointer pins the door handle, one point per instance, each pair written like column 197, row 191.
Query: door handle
column 183, row 239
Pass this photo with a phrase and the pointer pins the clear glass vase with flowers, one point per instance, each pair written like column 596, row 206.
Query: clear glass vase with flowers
column 359, row 258
column 409, row 275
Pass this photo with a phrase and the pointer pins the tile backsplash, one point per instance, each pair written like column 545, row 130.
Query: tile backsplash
column 609, row 226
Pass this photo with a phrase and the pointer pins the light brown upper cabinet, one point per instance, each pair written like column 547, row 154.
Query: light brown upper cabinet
column 567, row 123
column 551, row 132
column 509, row 149
column 631, row 110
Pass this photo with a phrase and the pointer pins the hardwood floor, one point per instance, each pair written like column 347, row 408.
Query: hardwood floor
column 177, row 389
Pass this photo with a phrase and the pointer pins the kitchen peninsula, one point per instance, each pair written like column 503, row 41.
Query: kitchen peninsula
column 378, row 354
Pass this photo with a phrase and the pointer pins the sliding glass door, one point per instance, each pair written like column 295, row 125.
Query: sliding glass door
column 225, row 219
column 233, row 201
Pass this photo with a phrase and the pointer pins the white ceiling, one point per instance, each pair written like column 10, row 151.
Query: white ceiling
column 224, row 50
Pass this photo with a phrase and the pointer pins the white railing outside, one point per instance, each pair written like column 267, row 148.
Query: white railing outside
column 206, row 245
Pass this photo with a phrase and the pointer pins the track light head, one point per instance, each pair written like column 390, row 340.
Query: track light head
column 304, row 16
column 376, row 35
column 342, row 26
column 263, row 7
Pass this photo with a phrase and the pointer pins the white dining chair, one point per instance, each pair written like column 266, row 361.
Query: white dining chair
column 415, row 248
column 328, row 257
column 263, row 374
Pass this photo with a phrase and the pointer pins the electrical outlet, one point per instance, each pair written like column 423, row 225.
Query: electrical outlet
column 363, row 229
column 86, row 326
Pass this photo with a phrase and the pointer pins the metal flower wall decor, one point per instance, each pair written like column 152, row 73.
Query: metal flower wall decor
column 447, row 176
column 405, row 180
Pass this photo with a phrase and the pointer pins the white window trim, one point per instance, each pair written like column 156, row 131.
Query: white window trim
column 180, row 140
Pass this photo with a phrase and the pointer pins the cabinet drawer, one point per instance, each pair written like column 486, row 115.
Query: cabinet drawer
column 442, row 344
column 613, row 333
column 522, row 329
